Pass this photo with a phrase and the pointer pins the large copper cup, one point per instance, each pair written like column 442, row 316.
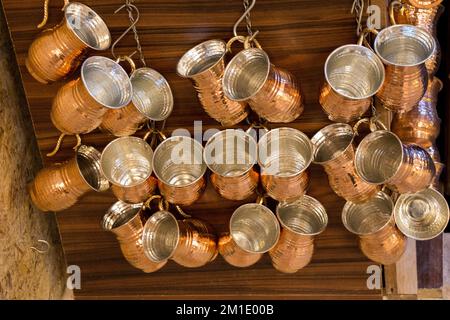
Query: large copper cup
column 59, row 51
column 271, row 92
column 60, row 186
column 301, row 221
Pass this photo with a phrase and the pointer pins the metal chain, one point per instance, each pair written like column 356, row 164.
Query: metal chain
column 248, row 21
column 135, row 32
column 358, row 11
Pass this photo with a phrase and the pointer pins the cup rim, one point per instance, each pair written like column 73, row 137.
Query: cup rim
column 326, row 130
column 103, row 183
column 109, row 212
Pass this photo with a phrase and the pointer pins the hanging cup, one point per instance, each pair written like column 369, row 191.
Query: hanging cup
column 424, row 3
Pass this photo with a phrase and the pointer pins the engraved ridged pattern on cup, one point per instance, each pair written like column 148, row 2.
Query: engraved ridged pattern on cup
column 191, row 243
column 301, row 221
column 204, row 64
column 424, row 3
column 80, row 105
column 127, row 163
column 57, row 52
column 373, row 222
column 353, row 75
column 271, row 92
column 60, row 186
column 335, row 151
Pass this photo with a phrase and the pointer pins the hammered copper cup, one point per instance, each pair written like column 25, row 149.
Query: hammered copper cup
column 127, row 163
column 179, row 167
column 373, row 222
column 79, row 106
column 204, row 65
column 254, row 230
column 424, row 3
column 271, row 92
column 285, row 155
column 190, row 242
column 335, row 151
column 60, row 186
column 301, row 221
column 57, row 52
column 382, row 158
column 126, row 221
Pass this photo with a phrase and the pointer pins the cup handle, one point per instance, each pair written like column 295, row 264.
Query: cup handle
column 45, row 18
column 363, row 37
column 163, row 204
column 129, row 60
column 392, row 6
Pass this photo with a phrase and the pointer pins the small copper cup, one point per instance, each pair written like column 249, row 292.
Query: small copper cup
column 382, row 158
column 190, row 242
column 373, row 222
column 424, row 3
column 58, row 52
column 127, row 163
column 271, row 92
column 284, row 157
column 179, row 167
column 301, row 221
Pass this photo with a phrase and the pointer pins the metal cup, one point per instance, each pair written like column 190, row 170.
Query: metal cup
column 424, row 3
column 301, row 221
column 179, row 167
column 127, row 163
column 382, row 158
column 58, row 52
column 423, row 215
column 284, row 157
column 271, row 92
column 373, row 223
column 254, row 230
column 80, row 105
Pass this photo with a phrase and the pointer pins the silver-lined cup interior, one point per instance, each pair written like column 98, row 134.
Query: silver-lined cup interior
column 201, row 58
column 284, row 152
column 354, row 72
column 331, row 141
column 88, row 161
column 231, row 153
column 423, row 215
column 404, row 45
column 119, row 214
column 246, row 74
column 178, row 161
column 254, row 228
column 369, row 217
column 127, row 161
column 107, row 82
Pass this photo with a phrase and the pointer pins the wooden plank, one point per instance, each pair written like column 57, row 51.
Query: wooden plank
column 429, row 263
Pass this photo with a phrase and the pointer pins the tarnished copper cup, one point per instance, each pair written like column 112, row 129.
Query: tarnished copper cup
column 381, row 158
column 271, row 92
column 231, row 156
column 285, row 155
column 254, row 230
column 57, row 52
column 127, row 221
column 301, row 221
column 373, row 222
column 127, row 163
column 180, row 169
column 80, row 105
column 204, row 64
column 190, row 242
column 423, row 215
column 335, row 151
column 60, row 186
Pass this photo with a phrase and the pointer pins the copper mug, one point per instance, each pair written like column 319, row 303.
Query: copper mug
column 424, row 3
column 231, row 156
column 301, row 221
column 127, row 163
column 79, row 106
column 57, row 52
column 60, row 186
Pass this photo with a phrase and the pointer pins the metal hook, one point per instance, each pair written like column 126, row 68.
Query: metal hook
column 47, row 249
column 130, row 28
column 236, row 25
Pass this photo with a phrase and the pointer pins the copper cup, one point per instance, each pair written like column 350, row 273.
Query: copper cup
column 373, row 223
column 60, row 186
column 204, row 64
column 271, row 92
column 436, row 183
column 335, row 151
column 57, row 52
column 424, row 3
column 382, row 158
column 190, row 242
column 80, row 105
column 127, row 163
column 284, row 158
column 231, row 156
column 179, row 167
column 126, row 221
column 254, row 230
column 301, row 221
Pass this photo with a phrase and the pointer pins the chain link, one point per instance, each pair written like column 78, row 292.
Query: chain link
column 358, row 11
column 135, row 32
column 248, row 21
